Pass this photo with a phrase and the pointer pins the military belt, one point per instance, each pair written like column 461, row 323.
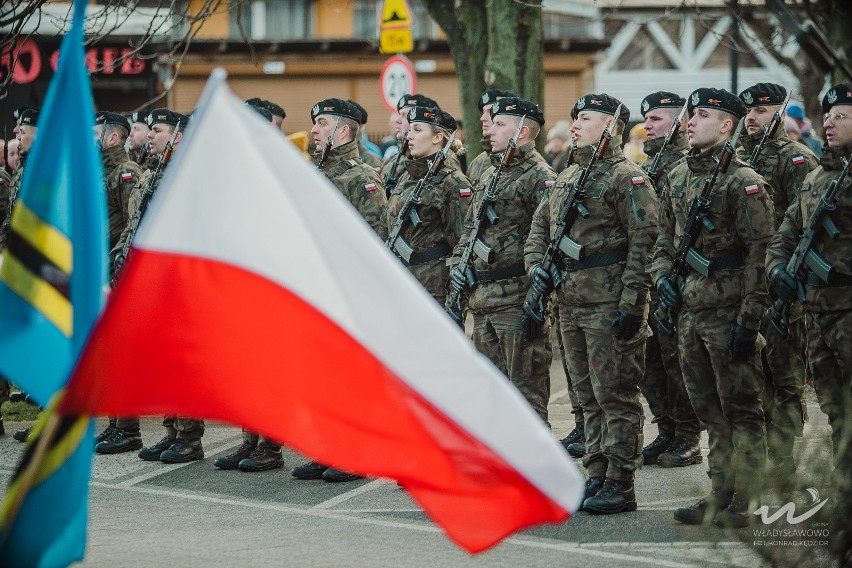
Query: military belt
column 420, row 256
column 485, row 276
column 595, row 261
column 834, row 281
column 732, row 260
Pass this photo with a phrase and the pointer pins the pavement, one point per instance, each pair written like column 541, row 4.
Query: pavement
column 149, row 514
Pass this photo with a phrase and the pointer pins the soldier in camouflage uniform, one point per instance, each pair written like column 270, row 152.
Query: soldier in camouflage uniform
column 441, row 209
column 5, row 184
column 121, row 175
column 394, row 166
column 501, row 286
column 662, row 385
column 369, row 157
column 182, row 442
column 721, row 311
column 27, row 130
column 138, row 141
column 828, row 311
column 339, row 120
column 276, row 111
column 603, row 299
column 482, row 161
column 784, row 164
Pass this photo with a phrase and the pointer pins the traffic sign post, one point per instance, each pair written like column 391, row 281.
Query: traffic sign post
column 396, row 79
column 395, row 28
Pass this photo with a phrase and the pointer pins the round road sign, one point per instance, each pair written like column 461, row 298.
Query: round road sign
column 396, row 79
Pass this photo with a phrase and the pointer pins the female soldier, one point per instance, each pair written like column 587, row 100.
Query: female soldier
column 424, row 246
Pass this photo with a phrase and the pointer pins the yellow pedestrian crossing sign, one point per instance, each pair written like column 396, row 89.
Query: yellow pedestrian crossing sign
column 395, row 15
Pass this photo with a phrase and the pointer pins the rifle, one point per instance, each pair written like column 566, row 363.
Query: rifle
column 329, row 141
column 390, row 178
column 769, row 130
column 484, row 217
column 147, row 193
column 687, row 257
column 654, row 171
column 143, row 156
column 532, row 317
column 408, row 211
column 804, row 256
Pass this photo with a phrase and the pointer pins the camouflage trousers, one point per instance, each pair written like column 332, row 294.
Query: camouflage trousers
column 5, row 389
column 830, row 359
column 183, row 428
column 725, row 396
column 663, row 387
column 576, row 407
column 498, row 333
column 262, row 442
column 605, row 372
column 128, row 423
column 784, row 383
column 434, row 276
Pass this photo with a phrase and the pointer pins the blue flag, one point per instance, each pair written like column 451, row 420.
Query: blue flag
column 52, row 283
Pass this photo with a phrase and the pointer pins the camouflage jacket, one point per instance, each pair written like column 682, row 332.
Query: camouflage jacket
column 368, row 157
column 481, row 162
column 675, row 153
column 522, row 185
column 392, row 169
column 14, row 188
column 121, row 175
column 134, row 203
column 5, row 189
column 440, row 211
column 783, row 163
column 358, row 182
column 622, row 221
column 837, row 252
column 741, row 210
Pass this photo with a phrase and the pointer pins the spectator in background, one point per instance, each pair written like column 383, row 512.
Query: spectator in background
column 634, row 149
column 806, row 130
column 558, row 142
column 792, row 129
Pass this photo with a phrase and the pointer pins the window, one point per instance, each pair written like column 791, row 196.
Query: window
column 273, row 19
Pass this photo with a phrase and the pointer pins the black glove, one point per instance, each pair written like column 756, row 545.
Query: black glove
column 670, row 298
column 626, row 325
column 540, row 280
column 783, row 286
column 458, row 280
column 742, row 343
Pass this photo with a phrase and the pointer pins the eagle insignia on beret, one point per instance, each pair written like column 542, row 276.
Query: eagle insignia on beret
column 645, row 105
column 695, row 98
column 581, row 103
column 747, row 98
column 484, row 98
column 412, row 113
column 315, row 110
column 831, row 97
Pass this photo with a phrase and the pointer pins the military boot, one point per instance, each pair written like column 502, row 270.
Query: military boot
column 681, row 453
column 577, row 435
column 262, row 459
column 737, row 514
column 153, row 453
column 107, row 433
column 652, row 451
column 232, row 460
column 593, row 485
column 703, row 508
column 577, row 449
column 183, row 450
column 310, row 470
column 121, row 441
column 2, row 428
column 338, row 475
column 614, row 497
column 22, row 435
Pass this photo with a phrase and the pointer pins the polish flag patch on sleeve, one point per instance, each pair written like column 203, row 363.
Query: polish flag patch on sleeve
column 549, row 183
column 798, row 160
column 637, row 180
column 126, row 176
column 369, row 187
column 752, row 189
column 464, row 192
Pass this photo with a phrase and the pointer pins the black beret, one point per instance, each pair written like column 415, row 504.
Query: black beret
column 516, row 106
column 139, row 116
column 490, row 96
column 716, row 98
column 106, row 117
column 359, row 108
column 764, row 94
column 662, row 99
column 432, row 115
column 16, row 114
column 29, row 116
column 338, row 107
column 264, row 112
column 166, row 116
column 837, row 95
column 414, row 100
column 600, row 102
column 274, row 109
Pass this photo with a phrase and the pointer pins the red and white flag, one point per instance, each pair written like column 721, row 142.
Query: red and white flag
column 255, row 294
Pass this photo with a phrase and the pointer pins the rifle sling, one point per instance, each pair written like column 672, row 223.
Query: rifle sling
column 836, row 280
column 594, row 261
column 514, row 271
